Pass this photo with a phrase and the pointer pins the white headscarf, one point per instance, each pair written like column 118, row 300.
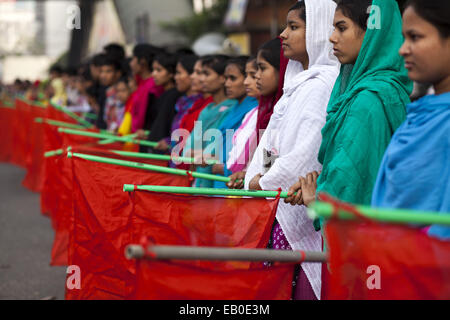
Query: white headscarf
column 294, row 131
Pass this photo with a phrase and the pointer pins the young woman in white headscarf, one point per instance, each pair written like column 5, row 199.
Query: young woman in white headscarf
column 291, row 142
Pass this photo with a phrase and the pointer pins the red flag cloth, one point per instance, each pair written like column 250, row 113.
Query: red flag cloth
column 21, row 136
column 102, row 226
column 164, row 280
column 169, row 219
column 60, row 185
column 372, row 261
column 35, row 155
column 7, row 116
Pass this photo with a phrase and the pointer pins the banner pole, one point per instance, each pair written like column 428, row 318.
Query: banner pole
column 72, row 115
column 222, row 254
column 206, row 191
column 148, row 167
column 325, row 210
column 107, row 137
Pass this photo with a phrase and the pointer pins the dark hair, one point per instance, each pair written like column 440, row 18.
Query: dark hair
column 355, row 10
column 184, row 52
column 300, row 6
column 239, row 62
column 147, row 52
column 92, row 91
column 98, row 59
column 124, row 80
column 436, row 12
column 252, row 59
column 216, row 62
column 271, row 51
column 86, row 75
column 110, row 61
column 71, row 71
column 115, row 50
column 188, row 62
column 57, row 69
column 168, row 61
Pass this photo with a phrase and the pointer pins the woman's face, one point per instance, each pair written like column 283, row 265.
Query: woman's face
column 122, row 92
column 294, row 40
column 234, row 83
column 182, row 79
column 426, row 53
column 347, row 39
column 267, row 77
column 211, row 81
column 196, row 85
column 160, row 74
column 250, row 80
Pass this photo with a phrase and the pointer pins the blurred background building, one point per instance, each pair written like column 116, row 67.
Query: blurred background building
column 38, row 33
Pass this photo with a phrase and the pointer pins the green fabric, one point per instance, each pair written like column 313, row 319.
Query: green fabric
column 367, row 105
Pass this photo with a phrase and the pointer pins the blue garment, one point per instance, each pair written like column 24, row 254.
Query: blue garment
column 233, row 122
column 415, row 172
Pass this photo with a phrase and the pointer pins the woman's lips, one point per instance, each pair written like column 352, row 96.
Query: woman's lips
column 408, row 65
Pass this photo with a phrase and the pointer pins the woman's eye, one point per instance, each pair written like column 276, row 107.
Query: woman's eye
column 294, row 28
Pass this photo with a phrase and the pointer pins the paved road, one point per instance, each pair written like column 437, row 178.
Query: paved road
column 25, row 243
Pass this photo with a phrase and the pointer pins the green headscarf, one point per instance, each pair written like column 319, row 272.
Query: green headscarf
column 366, row 106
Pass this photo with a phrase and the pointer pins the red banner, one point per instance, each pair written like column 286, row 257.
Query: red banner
column 371, row 261
column 102, row 226
column 7, row 118
column 158, row 280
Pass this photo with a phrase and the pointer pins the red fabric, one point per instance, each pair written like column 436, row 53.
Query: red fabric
column 21, row 137
column 61, row 199
column 187, row 122
column 203, row 221
column 266, row 103
column 35, row 155
column 102, row 226
column 7, row 116
column 157, row 280
column 230, row 222
column 412, row 265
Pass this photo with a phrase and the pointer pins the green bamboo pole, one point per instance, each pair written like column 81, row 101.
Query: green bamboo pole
column 206, row 191
column 148, row 167
column 53, row 153
column 8, row 104
column 325, row 210
column 90, row 116
column 108, row 137
column 158, row 157
column 72, row 115
column 60, row 124
column 222, row 254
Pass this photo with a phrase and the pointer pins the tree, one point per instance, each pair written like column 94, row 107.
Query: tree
column 210, row 20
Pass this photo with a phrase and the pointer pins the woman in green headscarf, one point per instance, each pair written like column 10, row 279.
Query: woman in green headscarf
column 367, row 103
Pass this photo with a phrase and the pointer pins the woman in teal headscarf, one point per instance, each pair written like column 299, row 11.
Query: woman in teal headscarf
column 367, row 104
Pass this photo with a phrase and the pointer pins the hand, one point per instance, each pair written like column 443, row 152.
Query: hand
column 140, row 135
column 295, row 195
column 254, row 183
column 236, row 180
column 162, row 146
column 218, row 169
column 309, row 187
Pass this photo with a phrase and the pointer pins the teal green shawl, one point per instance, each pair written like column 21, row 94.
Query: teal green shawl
column 366, row 106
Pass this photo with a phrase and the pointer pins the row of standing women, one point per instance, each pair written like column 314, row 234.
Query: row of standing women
column 331, row 97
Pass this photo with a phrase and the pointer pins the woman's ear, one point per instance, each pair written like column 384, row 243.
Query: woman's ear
column 222, row 79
